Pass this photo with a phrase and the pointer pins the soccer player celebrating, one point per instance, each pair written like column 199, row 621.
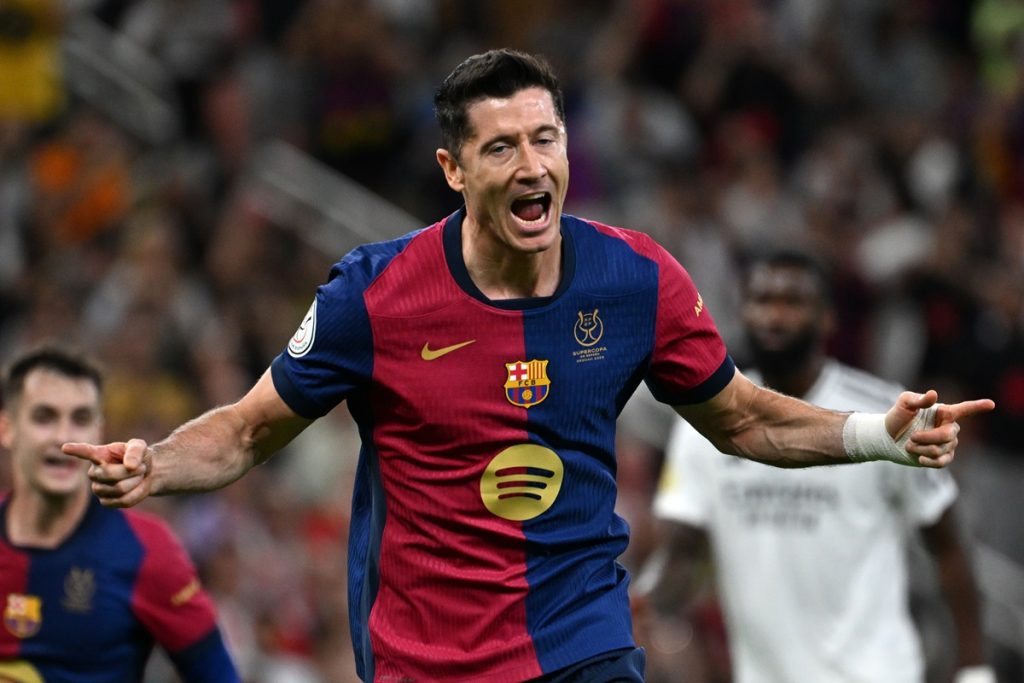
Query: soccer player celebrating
column 86, row 590
column 485, row 359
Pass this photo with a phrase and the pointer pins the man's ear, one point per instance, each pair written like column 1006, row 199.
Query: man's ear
column 5, row 430
column 452, row 171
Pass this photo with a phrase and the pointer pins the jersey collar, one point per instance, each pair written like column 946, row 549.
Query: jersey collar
column 457, row 266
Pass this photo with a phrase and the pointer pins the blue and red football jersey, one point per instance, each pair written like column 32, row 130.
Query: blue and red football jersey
column 484, row 539
column 90, row 610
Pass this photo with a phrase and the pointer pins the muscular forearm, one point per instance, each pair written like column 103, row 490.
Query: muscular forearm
column 769, row 427
column 791, row 433
column 204, row 454
column 760, row 424
column 220, row 446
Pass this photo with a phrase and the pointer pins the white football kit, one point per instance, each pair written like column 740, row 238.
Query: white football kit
column 811, row 563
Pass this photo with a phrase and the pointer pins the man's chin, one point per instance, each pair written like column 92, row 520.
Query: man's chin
column 775, row 361
column 63, row 489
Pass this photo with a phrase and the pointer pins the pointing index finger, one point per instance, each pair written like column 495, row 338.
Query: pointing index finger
column 955, row 411
column 85, row 451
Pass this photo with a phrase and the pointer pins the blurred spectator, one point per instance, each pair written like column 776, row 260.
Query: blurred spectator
column 81, row 182
column 31, row 79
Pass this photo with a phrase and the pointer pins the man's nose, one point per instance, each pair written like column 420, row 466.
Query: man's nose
column 67, row 430
column 531, row 163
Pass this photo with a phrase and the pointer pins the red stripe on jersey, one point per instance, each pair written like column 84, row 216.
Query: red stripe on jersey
column 435, row 512
column 167, row 598
column 14, row 567
column 680, row 361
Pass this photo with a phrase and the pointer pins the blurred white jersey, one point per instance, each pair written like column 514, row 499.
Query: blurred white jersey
column 811, row 563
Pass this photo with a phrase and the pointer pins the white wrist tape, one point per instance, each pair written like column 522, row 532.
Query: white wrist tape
column 866, row 438
column 975, row 674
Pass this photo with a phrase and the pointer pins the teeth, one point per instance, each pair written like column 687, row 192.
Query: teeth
column 534, row 196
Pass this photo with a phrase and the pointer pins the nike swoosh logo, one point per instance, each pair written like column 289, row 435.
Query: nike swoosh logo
column 428, row 353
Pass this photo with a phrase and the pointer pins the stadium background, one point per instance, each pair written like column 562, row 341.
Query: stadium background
column 176, row 177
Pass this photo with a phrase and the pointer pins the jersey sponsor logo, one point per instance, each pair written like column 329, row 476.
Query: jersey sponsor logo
column 698, row 308
column 302, row 341
column 797, row 507
column 522, row 482
column 527, row 383
column 79, row 589
column 20, row 671
column 589, row 328
column 427, row 353
column 23, row 614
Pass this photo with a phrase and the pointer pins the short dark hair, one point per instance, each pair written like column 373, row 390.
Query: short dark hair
column 793, row 258
column 63, row 360
column 496, row 73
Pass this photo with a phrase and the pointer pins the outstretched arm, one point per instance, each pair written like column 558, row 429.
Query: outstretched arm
column 943, row 540
column 760, row 424
column 675, row 574
column 204, row 454
column 663, row 599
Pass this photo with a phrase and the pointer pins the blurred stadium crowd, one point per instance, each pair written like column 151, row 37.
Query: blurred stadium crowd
column 177, row 176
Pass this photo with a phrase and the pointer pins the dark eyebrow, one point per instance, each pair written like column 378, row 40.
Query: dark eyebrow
column 50, row 409
column 89, row 411
column 545, row 128
column 40, row 408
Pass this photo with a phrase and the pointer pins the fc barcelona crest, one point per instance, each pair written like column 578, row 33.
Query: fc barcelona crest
column 23, row 614
column 527, row 383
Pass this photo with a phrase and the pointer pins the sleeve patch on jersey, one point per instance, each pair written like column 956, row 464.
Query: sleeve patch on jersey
column 185, row 594
column 302, row 341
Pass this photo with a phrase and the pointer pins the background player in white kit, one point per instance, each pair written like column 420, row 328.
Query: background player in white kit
column 811, row 564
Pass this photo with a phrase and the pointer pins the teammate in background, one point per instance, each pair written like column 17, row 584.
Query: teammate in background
column 485, row 359
column 86, row 590
column 811, row 565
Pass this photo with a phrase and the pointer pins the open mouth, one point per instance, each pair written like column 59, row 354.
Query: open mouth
column 63, row 462
column 532, row 209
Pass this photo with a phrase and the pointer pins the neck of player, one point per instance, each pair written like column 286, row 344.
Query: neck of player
column 503, row 272
column 39, row 521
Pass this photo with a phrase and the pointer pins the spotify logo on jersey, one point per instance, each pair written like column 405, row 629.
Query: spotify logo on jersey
column 522, row 482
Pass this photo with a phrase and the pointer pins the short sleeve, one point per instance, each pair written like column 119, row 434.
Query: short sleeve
column 173, row 607
column 168, row 598
column 686, row 477
column 331, row 353
column 689, row 363
column 923, row 494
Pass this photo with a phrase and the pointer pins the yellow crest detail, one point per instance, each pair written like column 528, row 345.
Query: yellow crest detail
column 699, row 307
column 23, row 614
column 527, row 383
column 588, row 329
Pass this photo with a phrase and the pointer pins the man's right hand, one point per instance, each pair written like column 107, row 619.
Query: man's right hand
column 121, row 472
